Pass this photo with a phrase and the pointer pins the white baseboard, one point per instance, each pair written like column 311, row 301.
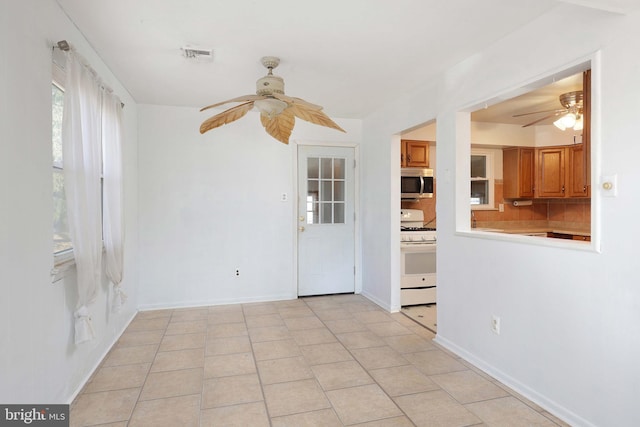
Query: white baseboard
column 544, row 402
column 83, row 383
column 206, row 303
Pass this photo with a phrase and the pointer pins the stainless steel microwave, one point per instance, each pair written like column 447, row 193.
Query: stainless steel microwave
column 416, row 183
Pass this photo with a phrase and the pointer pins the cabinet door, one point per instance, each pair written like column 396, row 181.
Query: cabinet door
column 551, row 172
column 577, row 173
column 416, row 154
column 518, row 172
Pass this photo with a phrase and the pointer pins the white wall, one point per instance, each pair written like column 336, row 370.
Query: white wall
column 39, row 361
column 212, row 203
column 570, row 318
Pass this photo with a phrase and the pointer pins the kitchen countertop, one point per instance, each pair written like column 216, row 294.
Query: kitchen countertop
column 527, row 228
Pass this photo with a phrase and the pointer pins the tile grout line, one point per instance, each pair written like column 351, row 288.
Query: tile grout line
column 164, row 333
column 255, row 364
column 366, row 370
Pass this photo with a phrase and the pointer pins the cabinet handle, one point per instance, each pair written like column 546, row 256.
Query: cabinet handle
column 408, row 157
column 563, row 188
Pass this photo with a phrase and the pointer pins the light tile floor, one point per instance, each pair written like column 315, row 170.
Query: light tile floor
column 426, row 315
column 320, row 361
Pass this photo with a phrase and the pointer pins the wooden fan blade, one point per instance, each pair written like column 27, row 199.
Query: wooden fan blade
column 227, row 116
column 544, row 118
column 242, row 98
column 280, row 126
column 538, row 112
column 298, row 101
column 314, row 116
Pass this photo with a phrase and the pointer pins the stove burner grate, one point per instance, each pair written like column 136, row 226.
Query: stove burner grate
column 402, row 228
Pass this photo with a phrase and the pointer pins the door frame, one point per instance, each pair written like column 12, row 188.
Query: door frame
column 357, row 235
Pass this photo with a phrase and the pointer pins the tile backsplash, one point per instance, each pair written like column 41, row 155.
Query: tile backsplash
column 572, row 213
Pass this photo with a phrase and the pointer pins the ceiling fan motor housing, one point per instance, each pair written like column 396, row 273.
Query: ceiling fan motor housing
column 570, row 99
column 269, row 85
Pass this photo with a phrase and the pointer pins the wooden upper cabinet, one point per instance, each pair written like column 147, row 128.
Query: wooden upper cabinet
column 562, row 172
column 550, row 172
column 518, row 165
column 578, row 180
column 414, row 154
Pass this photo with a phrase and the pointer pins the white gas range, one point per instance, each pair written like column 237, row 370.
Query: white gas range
column 413, row 230
column 418, row 259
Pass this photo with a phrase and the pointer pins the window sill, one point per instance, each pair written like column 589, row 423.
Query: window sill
column 483, row 208
column 62, row 264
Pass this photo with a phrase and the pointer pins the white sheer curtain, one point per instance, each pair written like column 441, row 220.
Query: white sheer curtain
column 113, row 221
column 81, row 134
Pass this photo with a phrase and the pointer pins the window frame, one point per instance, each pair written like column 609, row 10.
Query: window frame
column 490, row 178
column 463, row 144
column 66, row 258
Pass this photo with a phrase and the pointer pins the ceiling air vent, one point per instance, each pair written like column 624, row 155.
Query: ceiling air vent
column 197, row 53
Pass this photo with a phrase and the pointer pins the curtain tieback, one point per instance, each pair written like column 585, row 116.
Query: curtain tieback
column 119, row 298
column 83, row 326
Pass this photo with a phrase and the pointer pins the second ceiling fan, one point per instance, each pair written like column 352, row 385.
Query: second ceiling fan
column 571, row 115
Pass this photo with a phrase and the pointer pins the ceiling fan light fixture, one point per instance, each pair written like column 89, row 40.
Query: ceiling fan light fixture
column 559, row 124
column 270, row 106
column 579, row 123
column 566, row 122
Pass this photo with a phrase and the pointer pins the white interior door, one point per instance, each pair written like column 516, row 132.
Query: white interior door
column 326, row 220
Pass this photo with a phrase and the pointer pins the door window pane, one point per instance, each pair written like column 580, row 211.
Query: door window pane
column 338, row 168
column 338, row 213
column 327, row 168
column 338, row 191
column 312, row 167
column 327, row 191
column 326, row 216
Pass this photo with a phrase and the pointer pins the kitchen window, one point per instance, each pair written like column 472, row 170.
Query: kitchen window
column 482, row 180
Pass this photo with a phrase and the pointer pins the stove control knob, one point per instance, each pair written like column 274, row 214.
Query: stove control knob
column 424, row 238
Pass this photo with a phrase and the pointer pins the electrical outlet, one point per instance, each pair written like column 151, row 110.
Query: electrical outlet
column 500, row 207
column 237, row 271
column 495, row 324
column 284, row 197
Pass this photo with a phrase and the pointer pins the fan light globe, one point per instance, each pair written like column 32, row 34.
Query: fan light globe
column 270, row 106
column 566, row 121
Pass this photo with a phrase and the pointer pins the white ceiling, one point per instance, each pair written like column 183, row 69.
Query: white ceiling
column 350, row 56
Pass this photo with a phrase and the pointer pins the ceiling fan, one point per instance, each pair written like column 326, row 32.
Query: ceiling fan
column 277, row 111
column 571, row 114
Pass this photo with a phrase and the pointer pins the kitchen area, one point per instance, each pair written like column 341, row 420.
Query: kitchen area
column 530, row 175
column 418, row 239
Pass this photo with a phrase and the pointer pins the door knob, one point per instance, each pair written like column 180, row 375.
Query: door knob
column 301, row 228
column 301, row 218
